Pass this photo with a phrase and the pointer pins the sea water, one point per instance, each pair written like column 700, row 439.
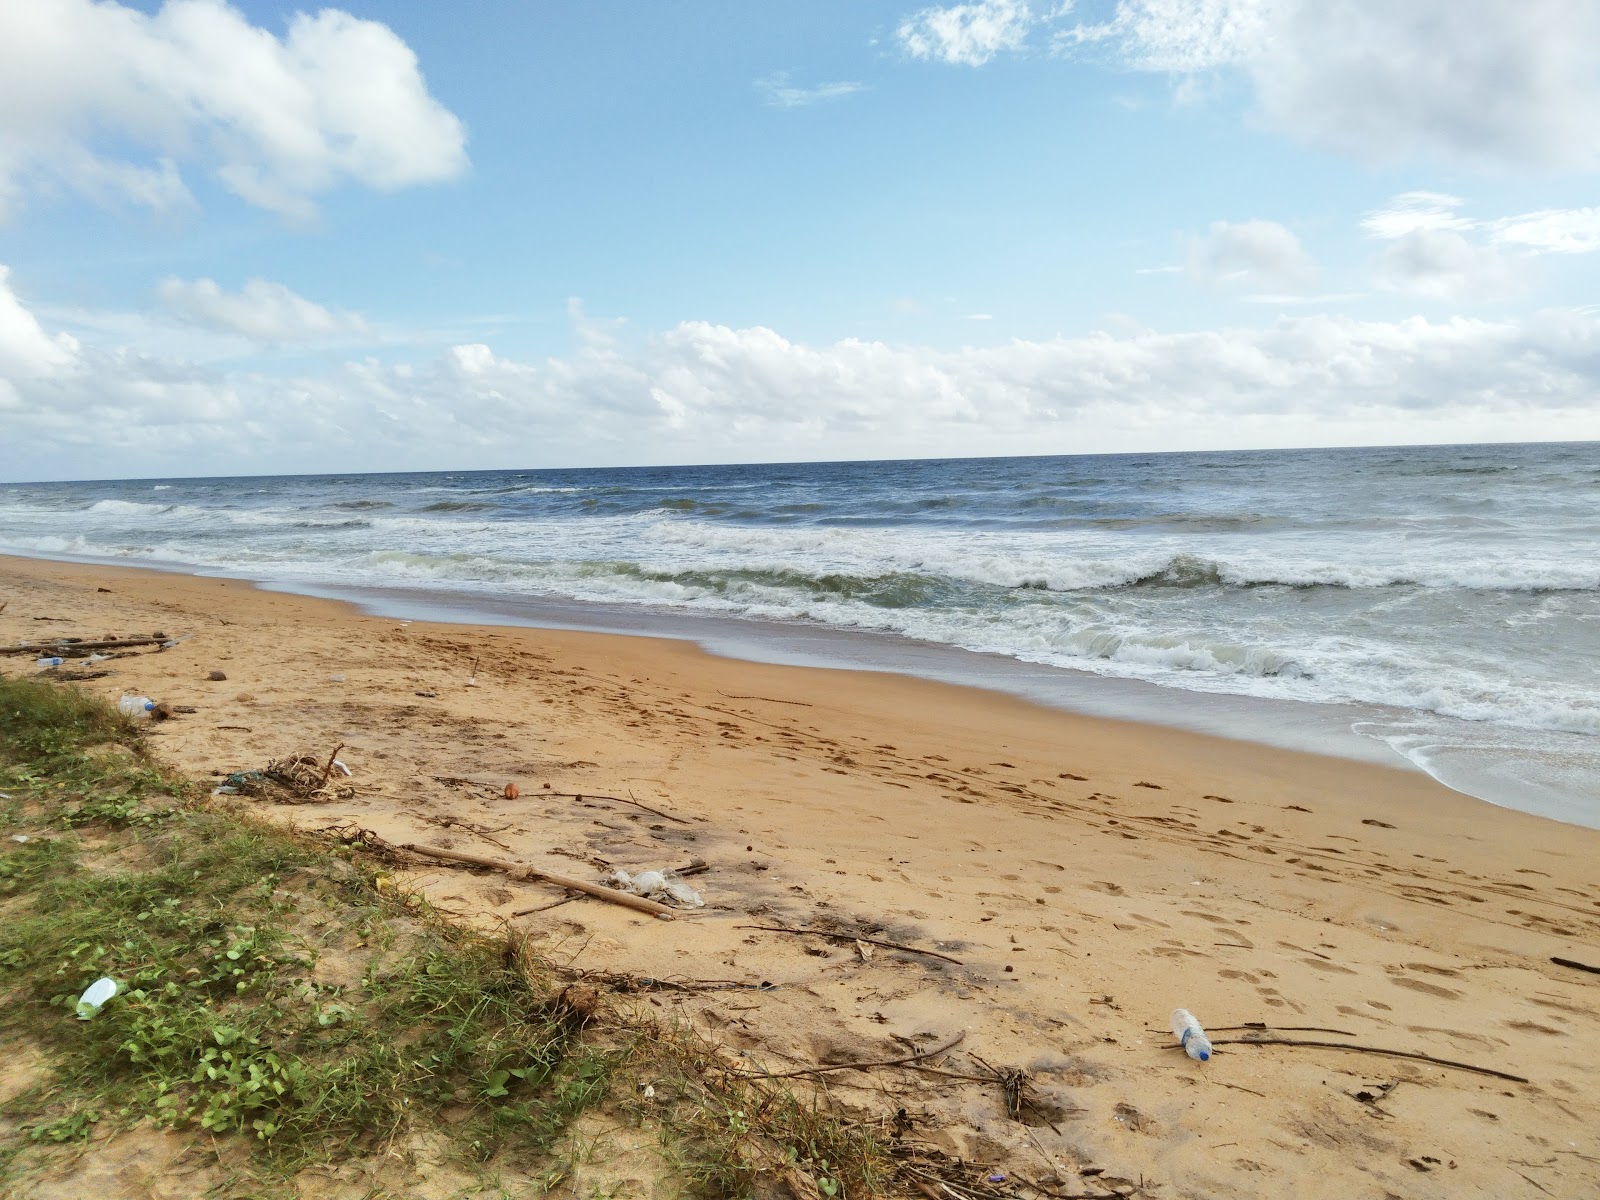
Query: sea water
column 1441, row 601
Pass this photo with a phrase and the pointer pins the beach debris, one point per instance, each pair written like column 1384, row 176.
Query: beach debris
column 1576, row 966
column 996, row 1177
column 657, row 885
column 512, row 791
column 472, row 674
column 95, row 996
column 136, row 706
column 297, row 779
column 77, row 647
column 854, row 937
column 216, row 676
column 46, row 664
column 517, row 870
column 1427, row 1058
column 1190, row 1036
column 335, row 678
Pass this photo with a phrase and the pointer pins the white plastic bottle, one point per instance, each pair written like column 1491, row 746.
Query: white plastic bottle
column 135, row 706
column 1190, row 1036
column 45, row 664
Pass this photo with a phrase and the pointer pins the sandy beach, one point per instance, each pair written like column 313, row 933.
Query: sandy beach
column 1088, row 875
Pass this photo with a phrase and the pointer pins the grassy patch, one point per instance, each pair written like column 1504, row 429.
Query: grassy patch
column 282, row 1008
column 270, row 993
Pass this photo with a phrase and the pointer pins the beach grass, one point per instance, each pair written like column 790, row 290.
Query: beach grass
column 285, row 1008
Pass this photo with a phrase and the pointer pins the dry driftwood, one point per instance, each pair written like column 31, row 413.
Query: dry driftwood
column 855, row 937
column 524, row 871
column 1427, row 1058
column 66, row 647
column 1576, row 966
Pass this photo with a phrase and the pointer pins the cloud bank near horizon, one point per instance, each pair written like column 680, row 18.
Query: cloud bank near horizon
column 705, row 392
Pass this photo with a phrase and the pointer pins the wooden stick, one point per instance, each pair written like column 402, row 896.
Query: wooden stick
column 1427, row 1058
column 524, row 871
column 617, row 799
column 328, row 770
column 64, row 644
column 854, row 1066
column 768, row 699
column 854, row 937
column 1576, row 966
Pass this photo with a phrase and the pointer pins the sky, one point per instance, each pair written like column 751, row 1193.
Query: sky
column 254, row 238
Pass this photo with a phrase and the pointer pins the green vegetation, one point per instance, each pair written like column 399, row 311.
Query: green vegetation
column 283, row 1008
column 269, row 989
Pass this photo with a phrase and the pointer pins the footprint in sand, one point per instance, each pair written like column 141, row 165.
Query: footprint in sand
column 1430, row 989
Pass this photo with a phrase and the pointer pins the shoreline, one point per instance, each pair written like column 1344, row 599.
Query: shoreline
column 1495, row 774
column 1089, row 874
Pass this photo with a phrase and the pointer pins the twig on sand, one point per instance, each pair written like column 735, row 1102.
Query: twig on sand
column 854, row 937
column 327, row 771
column 768, row 699
column 525, row 871
column 618, row 800
column 855, row 1066
column 1262, row 1027
column 1427, row 1058
column 1576, row 966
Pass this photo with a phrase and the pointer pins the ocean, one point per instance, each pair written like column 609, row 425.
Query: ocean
column 1438, row 606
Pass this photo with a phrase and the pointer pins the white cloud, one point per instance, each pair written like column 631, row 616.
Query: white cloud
column 1250, row 254
column 700, row 391
column 1486, row 82
column 262, row 311
column 1440, row 252
column 107, row 100
column 967, row 34
column 777, row 91
column 1411, row 211
column 1441, row 264
column 1552, row 231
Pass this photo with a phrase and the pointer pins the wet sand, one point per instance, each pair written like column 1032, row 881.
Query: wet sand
column 1089, row 875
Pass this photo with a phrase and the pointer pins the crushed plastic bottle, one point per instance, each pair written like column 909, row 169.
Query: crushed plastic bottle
column 136, row 706
column 95, row 996
column 1190, row 1036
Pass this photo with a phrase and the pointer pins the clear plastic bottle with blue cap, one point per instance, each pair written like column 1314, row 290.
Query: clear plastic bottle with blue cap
column 1190, row 1036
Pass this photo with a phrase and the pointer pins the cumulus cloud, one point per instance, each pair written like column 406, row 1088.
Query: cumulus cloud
column 108, row 101
column 702, row 389
column 1441, row 264
column 1252, row 255
column 778, row 92
column 1485, row 82
column 1441, row 252
column 966, row 34
column 261, row 310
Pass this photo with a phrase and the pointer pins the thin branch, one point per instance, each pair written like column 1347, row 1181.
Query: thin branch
column 768, row 699
column 1427, row 1058
column 855, row 1066
column 619, row 800
column 854, row 937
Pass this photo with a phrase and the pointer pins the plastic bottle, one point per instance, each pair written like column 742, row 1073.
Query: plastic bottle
column 95, row 997
column 46, row 663
column 135, row 706
column 1190, row 1036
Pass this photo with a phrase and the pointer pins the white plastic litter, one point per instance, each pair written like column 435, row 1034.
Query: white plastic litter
column 136, row 706
column 95, row 996
column 339, row 766
column 658, row 885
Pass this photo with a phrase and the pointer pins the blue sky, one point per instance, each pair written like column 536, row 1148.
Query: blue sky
column 249, row 238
